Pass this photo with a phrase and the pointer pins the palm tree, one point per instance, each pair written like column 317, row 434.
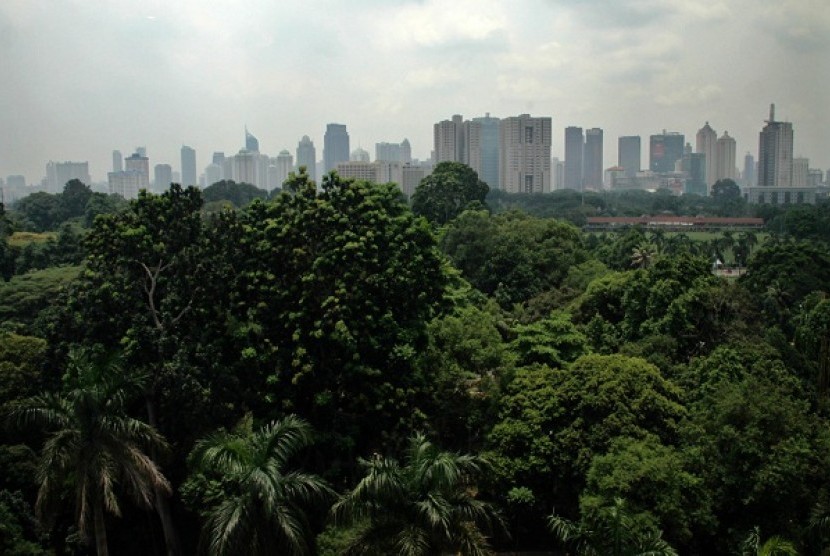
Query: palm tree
column 773, row 546
column 609, row 532
column 260, row 506
column 642, row 256
column 426, row 506
column 93, row 445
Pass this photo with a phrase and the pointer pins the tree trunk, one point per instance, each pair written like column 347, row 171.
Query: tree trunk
column 171, row 537
column 100, row 529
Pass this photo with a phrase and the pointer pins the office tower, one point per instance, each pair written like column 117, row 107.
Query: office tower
column 218, row 158
column 411, row 177
column 725, row 158
column 694, row 165
column 706, row 144
column 359, row 155
column 629, row 154
column 749, row 170
column 360, row 170
column 307, row 156
column 815, row 177
column 126, row 183
column 139, row 163
column 163, row 176
column 335, row 146
column 665, row 150
column 284, row 165
column 15, row 181
column 801, row 170
column 489, row 141
column 406, row 152
column 525, row 154
column 592, row 159
column 245, row 168
column 117, row 161
column 557, row 173
column 251, row 142
column 775, row 153
column 388, row 152
column 188, row 166
column 457, row 140
column 59, row 173
column 213, row 174
column 574, row 147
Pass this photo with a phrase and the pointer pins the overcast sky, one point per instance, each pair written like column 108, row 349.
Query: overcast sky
column 79, row 78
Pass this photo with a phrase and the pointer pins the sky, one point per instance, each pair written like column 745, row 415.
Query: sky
column 80, row 78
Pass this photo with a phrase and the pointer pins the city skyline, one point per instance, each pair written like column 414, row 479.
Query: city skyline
column 287, row 70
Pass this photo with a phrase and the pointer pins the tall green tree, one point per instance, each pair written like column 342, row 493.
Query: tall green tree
column 451, row 188
column 252, row 502
column 425, row 506
column 93, row 447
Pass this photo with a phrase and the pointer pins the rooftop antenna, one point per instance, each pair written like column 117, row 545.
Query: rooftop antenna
column 772, row 112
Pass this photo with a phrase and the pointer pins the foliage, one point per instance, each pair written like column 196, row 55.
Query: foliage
column 610, row 530
column 428, row 505
column 333, row 291
column 553, row 341
column 92, row 446
column 451, row 188
column 512, row 257
column 553, row 422
column 773, row 546
column 239, row 194
column 252, row 503
column 23, row 297
column 20, row 534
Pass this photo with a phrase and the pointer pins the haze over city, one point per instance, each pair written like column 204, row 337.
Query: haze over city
column 82, row 78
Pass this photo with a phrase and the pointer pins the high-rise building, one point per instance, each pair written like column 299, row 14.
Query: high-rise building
column 335, row 146
column 665, row 150
column 629, row 154
column 748, row 175
column 706, row 144
column 58, row 173
column 775, row 153
column 213, row 174
column 359, row 155
column 138, row 162
column 117, row 161
column 307, row 156
column 490, row 136
column 188, row 166
column 725, row 156
column 557, row 172
column 126, row 183
column 592, row 159
column 285, row 165
column 574, row 149
column 411, row 177
column 251, row 142
column 163, row 177
column 15, row 181
column 458, row 140
column 801, row 172
column 406, row 152
column 694, row 165
column 525, row 154
column 246, row 168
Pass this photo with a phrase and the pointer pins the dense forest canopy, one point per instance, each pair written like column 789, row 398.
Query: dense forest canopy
column 326, row 370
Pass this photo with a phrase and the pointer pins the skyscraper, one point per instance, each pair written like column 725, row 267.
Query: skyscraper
column 725, row 158
column 359, row 155
column 162, row 177
column 665, row 150
column 335, row 146
column 592, row 159
column 749, row 170
column 285, row 165
column 525, row 154
column 457, row 140
column 59, row 173
column 775, row 153
column 307, row 156
column 801, row 171
column 117, row 161
column 574, row 147
column 490, row 136
column 251, row 142
column 629, row 154
column 694, row 165
column 188, row 166
column 140, row 164
column 706, row 144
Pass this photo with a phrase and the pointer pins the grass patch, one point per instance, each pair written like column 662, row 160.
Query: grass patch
column 21, row 239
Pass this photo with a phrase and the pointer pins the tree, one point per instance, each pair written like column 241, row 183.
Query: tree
column 252, row 502
column 74, row 198
column 94, row 446
column 553, row 341
column 773, row 546
column 447, row 192
column 609, row 531
column 642, row 256
column 425, row 506
column 726, row 190
column 239, row 194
